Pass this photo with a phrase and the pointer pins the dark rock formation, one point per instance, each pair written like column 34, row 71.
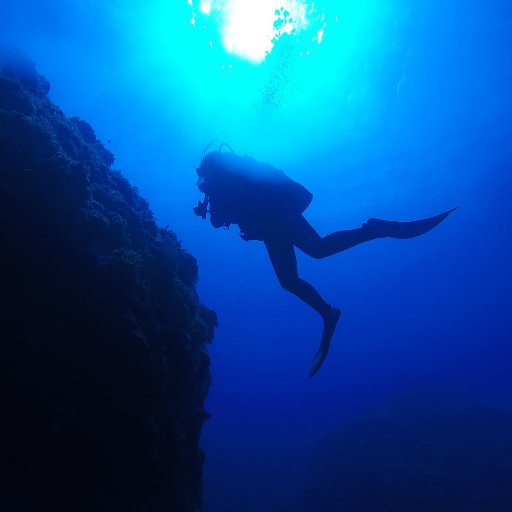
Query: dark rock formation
column 423, row 451
column 103, row 366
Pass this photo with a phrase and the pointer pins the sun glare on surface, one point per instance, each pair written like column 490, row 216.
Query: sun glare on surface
column 249, row 29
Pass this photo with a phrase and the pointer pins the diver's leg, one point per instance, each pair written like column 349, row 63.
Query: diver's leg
column 309, row 241
column 283, row 259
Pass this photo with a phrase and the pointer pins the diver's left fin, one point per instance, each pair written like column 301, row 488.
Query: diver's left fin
column 329, row 328
column 411, row 229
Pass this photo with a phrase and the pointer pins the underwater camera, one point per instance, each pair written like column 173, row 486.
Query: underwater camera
column 202, row 208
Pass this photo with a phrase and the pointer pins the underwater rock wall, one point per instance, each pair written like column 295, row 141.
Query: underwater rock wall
column 103, row 365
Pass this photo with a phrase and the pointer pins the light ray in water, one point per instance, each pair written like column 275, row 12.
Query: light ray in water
column 250, row 29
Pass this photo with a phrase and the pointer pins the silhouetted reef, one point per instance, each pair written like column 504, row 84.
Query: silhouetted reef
column 103, row 364
column 426, row 450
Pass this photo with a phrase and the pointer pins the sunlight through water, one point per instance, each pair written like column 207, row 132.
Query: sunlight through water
column 250, row 29
column 279, row 69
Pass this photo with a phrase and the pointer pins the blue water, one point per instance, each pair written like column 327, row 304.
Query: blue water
column 402, row 111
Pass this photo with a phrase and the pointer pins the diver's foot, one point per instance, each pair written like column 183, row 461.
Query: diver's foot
column 330, row 322
column 378, row 228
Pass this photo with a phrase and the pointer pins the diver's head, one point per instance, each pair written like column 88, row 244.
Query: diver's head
column 209, row 162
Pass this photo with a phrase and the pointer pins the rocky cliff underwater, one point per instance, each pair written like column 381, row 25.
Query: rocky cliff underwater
column 103, row 362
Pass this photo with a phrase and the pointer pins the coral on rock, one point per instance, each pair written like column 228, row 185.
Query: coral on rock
column 103, row 363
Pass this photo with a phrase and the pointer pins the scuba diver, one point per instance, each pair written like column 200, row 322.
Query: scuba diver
column 268, row 206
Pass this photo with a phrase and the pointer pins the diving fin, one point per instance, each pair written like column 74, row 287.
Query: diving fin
column 397, row 229
column 328, row 333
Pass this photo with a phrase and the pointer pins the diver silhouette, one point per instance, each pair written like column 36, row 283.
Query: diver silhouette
column 268, row 206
